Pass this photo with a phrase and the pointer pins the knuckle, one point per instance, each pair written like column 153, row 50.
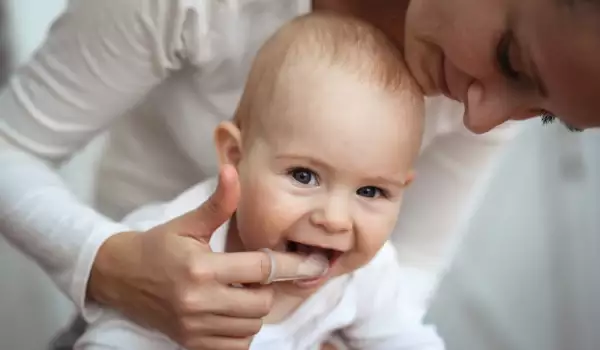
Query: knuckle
column 186, row 303
column 199, row 272
column 255, row 327
column 187, row 328
column 240, row 344
column 245, row 343
column 269, row 297
column 183, row 333
column 265, row 301
column 212, row 206
column 265, row 266
column 261, row 310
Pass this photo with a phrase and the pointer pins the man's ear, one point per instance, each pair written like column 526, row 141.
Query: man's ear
column 228, row 142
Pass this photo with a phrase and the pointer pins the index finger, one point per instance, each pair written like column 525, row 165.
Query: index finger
column 256, row 267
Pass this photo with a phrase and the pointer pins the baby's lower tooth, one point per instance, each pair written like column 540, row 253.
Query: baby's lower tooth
column 320, row 257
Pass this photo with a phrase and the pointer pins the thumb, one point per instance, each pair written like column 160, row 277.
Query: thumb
column 218, row 208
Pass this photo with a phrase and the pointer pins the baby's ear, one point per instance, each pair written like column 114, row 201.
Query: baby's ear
column 228, row 142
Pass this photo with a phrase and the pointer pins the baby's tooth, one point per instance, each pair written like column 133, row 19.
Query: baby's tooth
column 321, row 258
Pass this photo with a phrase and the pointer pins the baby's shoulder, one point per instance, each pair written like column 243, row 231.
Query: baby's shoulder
column 382, row 264
column 385, row 278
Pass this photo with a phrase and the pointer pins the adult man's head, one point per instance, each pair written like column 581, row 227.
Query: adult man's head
column 504, row 59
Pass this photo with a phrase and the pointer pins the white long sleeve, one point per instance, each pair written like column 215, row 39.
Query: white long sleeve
column 100, row 59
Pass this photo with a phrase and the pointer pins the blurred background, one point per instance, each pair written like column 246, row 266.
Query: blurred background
column 526, row 276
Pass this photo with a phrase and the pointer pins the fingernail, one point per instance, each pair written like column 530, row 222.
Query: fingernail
column 314, row 266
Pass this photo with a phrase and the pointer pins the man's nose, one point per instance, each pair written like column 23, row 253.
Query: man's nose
column 333, row 214
column 489, row 106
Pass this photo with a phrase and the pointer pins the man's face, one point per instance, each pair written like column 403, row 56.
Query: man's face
column 327, row 172
column 508, row 59
column 504, row 59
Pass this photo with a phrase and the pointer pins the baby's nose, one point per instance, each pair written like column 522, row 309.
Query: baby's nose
column 334, row 216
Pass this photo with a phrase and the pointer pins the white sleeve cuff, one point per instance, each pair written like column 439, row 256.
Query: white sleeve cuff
column 90, row 310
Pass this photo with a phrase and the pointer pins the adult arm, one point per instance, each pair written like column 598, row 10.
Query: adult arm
column 114, row 332
column 100, row 58
column 452, row 176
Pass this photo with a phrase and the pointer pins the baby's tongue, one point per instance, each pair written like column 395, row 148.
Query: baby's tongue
column 313, row 252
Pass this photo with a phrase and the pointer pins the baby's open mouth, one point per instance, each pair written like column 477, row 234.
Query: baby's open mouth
column 306, row 249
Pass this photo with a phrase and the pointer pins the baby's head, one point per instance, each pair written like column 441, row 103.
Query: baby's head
column 324, row 141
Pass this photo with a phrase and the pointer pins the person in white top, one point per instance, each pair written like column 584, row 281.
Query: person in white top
column 161, row 74
column 301, row 191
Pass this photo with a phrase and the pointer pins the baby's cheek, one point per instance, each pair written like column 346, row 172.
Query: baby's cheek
column 264, row 217
column 372, row 236
column 372, row 244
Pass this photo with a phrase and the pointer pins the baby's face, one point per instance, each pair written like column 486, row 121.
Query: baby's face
column 325, row 176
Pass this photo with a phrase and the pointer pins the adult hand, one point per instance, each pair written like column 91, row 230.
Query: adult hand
column 169, row 279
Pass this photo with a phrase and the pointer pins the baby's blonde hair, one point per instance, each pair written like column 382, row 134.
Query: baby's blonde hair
column 330, row 39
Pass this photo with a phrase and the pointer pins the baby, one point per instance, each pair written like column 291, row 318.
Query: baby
column 324, row 141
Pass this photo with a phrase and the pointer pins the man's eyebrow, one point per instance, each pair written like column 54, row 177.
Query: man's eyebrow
column 549, row 118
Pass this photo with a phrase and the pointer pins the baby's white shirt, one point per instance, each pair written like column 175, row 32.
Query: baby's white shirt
column 380, row 306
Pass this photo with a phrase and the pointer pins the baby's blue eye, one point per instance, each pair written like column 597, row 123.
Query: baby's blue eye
column 369, row 192
column 304, row 176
